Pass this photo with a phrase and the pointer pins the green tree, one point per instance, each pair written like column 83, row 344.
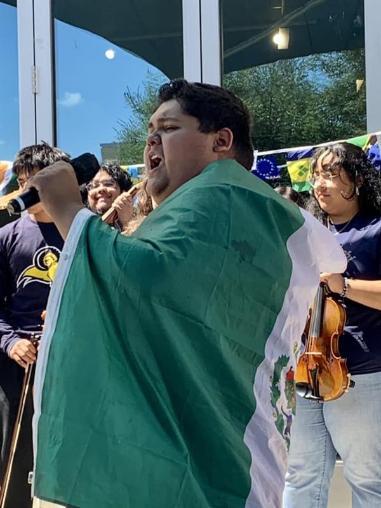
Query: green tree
column 303, row 101
column 279, row 97
column 132, row 132
column 343, row 107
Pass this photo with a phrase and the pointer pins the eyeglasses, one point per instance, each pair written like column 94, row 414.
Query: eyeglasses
column 109, row 184
column 326, row 174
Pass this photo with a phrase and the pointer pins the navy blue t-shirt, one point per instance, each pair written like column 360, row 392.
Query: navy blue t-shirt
column 29, row 253
column 361, row 342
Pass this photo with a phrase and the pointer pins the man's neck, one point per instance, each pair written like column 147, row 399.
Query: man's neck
column 40, row 217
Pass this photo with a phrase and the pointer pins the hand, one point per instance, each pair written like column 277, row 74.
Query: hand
column 123, row 206
column 334, row 281
column 23, row 352
column 59, row 193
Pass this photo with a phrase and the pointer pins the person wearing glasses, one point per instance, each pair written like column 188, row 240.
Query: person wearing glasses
column 109, row 183
column 109, row 188
column 347, row 195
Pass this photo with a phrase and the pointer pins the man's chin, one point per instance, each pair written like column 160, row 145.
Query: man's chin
column 157, row 189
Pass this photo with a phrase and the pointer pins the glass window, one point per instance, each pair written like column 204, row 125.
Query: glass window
column 109, row 62
column 300, row 68
column 9, row 118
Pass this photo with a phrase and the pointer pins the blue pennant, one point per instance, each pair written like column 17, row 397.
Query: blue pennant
column 374, row 155
column 266, row 168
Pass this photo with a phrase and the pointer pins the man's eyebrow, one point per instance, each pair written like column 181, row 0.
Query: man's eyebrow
column 162, row 119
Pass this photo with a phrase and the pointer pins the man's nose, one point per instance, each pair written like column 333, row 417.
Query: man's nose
column 153, row 139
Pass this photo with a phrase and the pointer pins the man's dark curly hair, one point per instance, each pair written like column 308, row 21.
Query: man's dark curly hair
column 37, row 157
column 360, row 172
column 215, row 108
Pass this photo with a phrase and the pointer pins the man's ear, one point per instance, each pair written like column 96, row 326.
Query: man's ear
column 223, row 141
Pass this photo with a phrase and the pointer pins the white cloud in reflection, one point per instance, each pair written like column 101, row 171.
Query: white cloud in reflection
column 71, row 99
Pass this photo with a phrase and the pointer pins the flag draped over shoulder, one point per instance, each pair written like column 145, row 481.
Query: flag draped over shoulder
column 163, row 379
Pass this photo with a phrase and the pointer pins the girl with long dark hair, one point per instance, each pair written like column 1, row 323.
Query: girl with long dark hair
column 347, row 195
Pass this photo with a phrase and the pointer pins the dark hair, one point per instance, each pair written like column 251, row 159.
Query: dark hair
column 122, row 178
column 215, row 108
column 360, row 171
column 290, row 194
column 37, row 157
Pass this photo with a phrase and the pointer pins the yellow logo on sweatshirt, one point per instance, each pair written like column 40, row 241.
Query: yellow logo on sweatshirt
column 43, row 269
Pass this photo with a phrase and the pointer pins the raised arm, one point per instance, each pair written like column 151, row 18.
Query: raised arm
column 59, row 193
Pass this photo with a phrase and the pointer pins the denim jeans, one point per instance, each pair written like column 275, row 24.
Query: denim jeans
column 349, row 426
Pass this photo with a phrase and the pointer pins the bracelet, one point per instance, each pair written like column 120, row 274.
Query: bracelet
column 345, row 288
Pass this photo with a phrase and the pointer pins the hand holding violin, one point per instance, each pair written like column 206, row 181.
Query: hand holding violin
column 334, row 281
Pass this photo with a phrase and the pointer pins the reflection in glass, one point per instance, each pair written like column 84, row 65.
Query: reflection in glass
column 104, row 93
column 9, row 118
column 300, row 68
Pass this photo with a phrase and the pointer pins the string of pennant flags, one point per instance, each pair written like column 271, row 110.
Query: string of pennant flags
column 297, row 160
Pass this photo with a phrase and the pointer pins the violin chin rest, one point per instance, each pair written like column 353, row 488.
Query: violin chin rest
column 305, row 390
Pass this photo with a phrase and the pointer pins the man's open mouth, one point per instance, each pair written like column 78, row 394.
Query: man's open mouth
column 154, row 161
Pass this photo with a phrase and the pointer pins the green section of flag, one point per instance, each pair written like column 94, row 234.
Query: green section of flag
column 302, row 186
column 361, row 141
column 149, row 384
column 299, row 172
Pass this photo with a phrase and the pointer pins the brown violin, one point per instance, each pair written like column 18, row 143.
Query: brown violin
column 321, row 373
